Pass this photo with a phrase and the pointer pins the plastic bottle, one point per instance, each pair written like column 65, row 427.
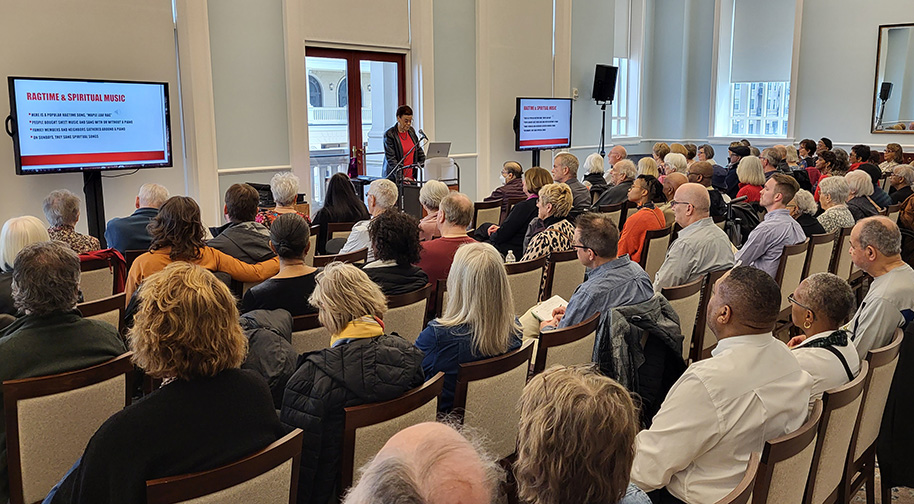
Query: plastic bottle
column 510, row 257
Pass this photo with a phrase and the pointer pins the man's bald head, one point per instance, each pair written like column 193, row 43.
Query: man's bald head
column 692, row 204
column 672, row 182
column 701, row 172
column 427, row 463
column 744, row 301
column 616, row 154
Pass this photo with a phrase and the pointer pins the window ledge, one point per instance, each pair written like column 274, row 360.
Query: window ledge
column 764, row 139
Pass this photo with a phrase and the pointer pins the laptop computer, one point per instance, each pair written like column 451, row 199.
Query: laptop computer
column 437, row 149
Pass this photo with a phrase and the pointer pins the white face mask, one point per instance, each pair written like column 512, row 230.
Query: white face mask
column 502, row 179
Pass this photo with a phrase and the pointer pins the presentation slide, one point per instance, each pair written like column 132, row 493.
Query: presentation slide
column 67, row 124
column 544, row 123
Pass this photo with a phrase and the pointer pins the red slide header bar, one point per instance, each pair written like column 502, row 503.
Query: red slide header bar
column 548, row 141
column 100, row 157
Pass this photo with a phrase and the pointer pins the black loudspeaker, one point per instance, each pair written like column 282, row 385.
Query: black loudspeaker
column 886, row 91
column 604, row 83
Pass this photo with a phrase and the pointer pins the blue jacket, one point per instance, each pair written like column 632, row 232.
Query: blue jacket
column 129, row 233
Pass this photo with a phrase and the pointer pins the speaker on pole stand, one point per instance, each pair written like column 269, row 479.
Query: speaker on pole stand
column 604, row 90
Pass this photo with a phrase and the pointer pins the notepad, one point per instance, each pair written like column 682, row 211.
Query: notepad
column 544, row 310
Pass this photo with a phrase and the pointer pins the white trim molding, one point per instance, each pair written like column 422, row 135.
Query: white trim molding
column 255, row 169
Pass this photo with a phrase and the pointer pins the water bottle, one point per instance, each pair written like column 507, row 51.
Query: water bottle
column 510, row 257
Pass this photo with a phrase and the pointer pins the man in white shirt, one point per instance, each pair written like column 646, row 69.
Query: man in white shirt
column 382, row 196
column 700, row 247
column 724, row 408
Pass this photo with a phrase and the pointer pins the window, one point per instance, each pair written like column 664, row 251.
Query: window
column 620, row 109
column 755, row 120
column 342, row 93
column 315, row 92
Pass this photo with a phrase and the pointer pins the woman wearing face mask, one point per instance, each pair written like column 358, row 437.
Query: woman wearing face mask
column 512, row 186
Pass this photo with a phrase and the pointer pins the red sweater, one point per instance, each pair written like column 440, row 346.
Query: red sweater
column 631, row 241
column 754, row 192
column 436, row 257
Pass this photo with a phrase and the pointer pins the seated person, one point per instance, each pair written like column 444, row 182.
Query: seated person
column 701, row 172
column 478, row 320
column 803, row 209
column 363, row 365
column 511, row 186
column 894, row 156
column 430, row 196
column 646, row 192
column 879, row 196
column 859, row 201
column 293, row 285
column 565, row 171
column 554, row 204
column 833, row 193
column 751, row 179
column 51, row 337
column 765, row 244
column 429, row 462
column 242, row 238
column 701, row 246
column 593, row 174
column 284, row 186
column 61, row 208
column 17, row 233
column 395, row 242
column 207, row 414
column 588, row 457
column 901, row 180
column 821, row 303
column 670, row 184
column 724, row 408
column 613, row 281
column 510, row 234
column 341, row 204
column 454, row 216
column 622, row 175
column 177, row 235
column 382, row 196
column 129, row 233
column 647, row 166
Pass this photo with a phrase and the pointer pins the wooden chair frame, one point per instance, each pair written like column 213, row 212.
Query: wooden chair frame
column 486, row 368
column 305, row 322
column 698, row 339
column 559, row 337
column 790, row 251
column 649, row 237
column 338, row 227
column 742, row 492
column 484, row 205
column 782, row 448
column 131, row 255
column 549, row 273
column 88, row 265
column 844, row 234
column 313, row 242
column 511, row 203
column 516, row 268
column 622, row 208
column 375, row 413
column 40, row 386
column 351, row 257
column 400, row 300
column 104, row 305
column 815, row 240
column 173, row 489
column 682, row 292
column 439, row 296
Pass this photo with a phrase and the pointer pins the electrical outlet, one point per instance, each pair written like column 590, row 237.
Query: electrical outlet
column 574, row 93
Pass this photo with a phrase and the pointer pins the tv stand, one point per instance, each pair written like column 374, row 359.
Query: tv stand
column 95, row 205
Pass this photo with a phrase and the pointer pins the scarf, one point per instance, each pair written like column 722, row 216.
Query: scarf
column 360, row 328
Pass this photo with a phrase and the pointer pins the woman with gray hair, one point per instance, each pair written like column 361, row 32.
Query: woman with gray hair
column 803, row 209
column 861, row 188
column 284, row 186
column 61, row 208
column 819, row 305
column 833, row 193
column 430, row 197
column 593, row 178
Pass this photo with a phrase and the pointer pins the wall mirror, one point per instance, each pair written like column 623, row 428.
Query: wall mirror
column 893, row 95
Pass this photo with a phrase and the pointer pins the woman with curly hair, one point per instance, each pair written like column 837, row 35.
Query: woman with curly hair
column 207, row 413
column 177, row 235
column 576, row 439
column 395, row 240
column 646, row 191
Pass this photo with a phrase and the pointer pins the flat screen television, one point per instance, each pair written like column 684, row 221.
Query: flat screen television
column 543, row 123
column 75, row 125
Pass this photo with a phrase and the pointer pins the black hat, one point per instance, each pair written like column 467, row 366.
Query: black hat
column 740, row 150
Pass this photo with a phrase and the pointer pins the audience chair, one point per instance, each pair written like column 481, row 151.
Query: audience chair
column 406, row 313
column 841, row 263
column 656, row 243
column 266, row 477
column 441, row 299
column 96, row 279
column 49, row 420
column 483, row 390
column 840, row 409
column 308, row 335
column 704, row 340
column 790, row 273
column 511, row 203
column 784, row 467
column 357, row 257
column 567, row 346
column 110, row 309
column 131, row 255
column 564, row 273
column 686, row 300
column 743, row 491
column 631, row 208
column 369, row 426
column 821, row 250
column 524, row 279
column 719, row 221
column 340, row 230
column 486, row 211
column 312, row 244
column 615, row 213
column 893, row 212
column 861, row 461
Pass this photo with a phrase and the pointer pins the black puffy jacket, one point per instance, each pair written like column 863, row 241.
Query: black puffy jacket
column 359, row 372
column 270, row 352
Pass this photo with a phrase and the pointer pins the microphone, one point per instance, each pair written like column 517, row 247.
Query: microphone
column 422, row 134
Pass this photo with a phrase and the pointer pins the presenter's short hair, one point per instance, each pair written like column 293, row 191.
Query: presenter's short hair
column 404, row 110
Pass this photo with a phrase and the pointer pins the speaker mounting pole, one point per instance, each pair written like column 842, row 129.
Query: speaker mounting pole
column 603, row 132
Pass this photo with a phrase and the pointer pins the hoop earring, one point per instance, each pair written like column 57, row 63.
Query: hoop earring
column 806, row 325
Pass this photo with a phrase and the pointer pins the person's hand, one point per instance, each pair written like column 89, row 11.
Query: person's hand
column 558, row 312
column 549, row 323
column 796, row 340
column 493, row 228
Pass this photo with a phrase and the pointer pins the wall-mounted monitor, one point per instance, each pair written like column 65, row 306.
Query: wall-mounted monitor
column 543, row 123
column 74, row 125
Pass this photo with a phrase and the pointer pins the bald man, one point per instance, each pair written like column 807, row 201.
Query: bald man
column 616, row 154
column 702, row 172
column 429, row 463
column 724, row 408
column 701, row 246
column 670, row 183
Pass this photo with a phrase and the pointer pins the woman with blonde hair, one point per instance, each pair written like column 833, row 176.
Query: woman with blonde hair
column 362, row 365
column 576, row 439
column 647, row 166
column 207, row 413
column 751, row 178
column 894, row 156
column 284, row 186
column 553, row 206
column 17, row 233
column 659, row 151
column 478, row 319
column 509, row 235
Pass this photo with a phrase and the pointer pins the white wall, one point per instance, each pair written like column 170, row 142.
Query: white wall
column 98, row 39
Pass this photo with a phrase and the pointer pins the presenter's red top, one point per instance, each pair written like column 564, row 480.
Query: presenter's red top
column 406, row 142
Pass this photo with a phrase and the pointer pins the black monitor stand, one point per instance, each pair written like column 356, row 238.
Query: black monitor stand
column 95, row 205
column 536, row 158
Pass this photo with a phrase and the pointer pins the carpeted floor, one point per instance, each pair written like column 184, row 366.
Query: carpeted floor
column 899, row 495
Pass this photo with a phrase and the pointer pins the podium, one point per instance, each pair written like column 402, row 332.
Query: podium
column 443, row 169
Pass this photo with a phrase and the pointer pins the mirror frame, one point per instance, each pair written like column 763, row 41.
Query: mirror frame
column 876, row 84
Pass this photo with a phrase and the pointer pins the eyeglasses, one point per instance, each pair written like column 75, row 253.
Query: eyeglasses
column 793, row 300
column 582, row 247
column 674, row 203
